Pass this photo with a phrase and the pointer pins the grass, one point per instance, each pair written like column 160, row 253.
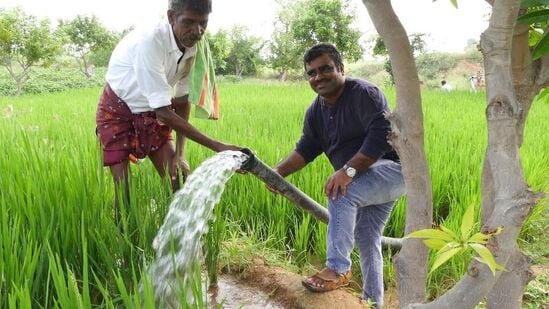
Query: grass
column 60, row 245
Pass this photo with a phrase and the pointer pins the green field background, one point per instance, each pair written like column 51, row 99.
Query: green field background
column 60, row 244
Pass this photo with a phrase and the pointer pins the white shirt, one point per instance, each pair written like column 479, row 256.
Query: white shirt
column 144, row 68
column 447, row 87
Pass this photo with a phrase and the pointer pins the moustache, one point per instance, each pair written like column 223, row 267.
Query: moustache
column 194, row 37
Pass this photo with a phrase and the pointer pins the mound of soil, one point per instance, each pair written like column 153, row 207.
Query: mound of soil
column 285, row 289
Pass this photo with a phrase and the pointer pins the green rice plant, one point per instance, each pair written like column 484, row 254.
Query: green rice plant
column 212, row 245
column 240, row 249
column 389, row 271
column 130, row 298
column 20, row 258
column 66, row 287
column 20, row 298
column 320, row 244
column 302, row 234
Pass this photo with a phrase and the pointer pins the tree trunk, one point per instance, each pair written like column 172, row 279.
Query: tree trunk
column 282, row 76
column 512, row 204
column 506, row 199
column 408, row 139
column 508, row 290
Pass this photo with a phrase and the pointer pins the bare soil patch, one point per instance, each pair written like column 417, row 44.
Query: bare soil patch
column 284, row 288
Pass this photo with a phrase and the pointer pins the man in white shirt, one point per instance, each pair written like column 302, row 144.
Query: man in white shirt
column 138, row 108
column 445, row 86
column 473, row 83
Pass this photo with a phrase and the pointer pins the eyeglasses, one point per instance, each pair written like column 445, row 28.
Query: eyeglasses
column 325, row 69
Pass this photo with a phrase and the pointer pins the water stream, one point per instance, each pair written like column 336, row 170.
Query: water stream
column 178, row 242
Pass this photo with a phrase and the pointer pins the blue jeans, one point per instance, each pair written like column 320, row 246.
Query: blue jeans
column 359, row 218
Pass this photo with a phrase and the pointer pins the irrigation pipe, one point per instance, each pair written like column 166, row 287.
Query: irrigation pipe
column 291, row 192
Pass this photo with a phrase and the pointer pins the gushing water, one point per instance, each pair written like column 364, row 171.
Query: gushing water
column 178, row 242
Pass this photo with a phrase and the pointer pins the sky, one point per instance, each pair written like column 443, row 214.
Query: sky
column 448, row 28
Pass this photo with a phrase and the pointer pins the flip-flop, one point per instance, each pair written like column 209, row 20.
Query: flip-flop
column 327, row 283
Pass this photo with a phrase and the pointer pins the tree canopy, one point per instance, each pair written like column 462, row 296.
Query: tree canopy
column 235, row 52
column 25, row 42
column 84, row 35
column 302, row 24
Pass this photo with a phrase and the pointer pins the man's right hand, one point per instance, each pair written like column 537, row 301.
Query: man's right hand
column 337, row 184
column 222, row 147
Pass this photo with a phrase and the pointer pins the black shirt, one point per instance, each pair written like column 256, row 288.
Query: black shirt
column 356, row 122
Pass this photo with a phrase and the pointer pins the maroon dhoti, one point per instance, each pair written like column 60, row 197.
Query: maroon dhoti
column 125, row 135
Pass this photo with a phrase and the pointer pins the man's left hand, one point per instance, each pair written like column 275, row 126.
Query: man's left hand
column 337, row 182
column 179, row 164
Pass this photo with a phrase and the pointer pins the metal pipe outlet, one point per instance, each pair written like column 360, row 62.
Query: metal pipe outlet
column 266, row 174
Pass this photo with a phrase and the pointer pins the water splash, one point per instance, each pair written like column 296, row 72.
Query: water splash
column 187, row 221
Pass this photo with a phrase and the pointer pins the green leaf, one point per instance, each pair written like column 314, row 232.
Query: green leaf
column 454, row 3
column 445, row 256
column 449, row 231
column 543, row 95
column 434, row 244
column 480, row 238
column 449, row 246
column 498, row 231
column 530, row 3
column 534, row 35
column 467, row 221
column 431, row 234
column 542, row 47
column 500, row 267
column 497, row 266
column 534, row 17
column 486, row 257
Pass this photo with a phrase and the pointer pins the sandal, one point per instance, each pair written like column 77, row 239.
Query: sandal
column 326, row 284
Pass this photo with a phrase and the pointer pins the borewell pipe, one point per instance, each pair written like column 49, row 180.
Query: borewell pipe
column 266, row 174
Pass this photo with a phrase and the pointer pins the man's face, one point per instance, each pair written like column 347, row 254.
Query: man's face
column 188, row 27
column 325, row 78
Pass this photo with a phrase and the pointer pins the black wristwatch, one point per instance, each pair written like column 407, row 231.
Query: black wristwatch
column 350, row 171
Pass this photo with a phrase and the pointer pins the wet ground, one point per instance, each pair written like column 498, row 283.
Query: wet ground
column 273, row 287
column 231, row 293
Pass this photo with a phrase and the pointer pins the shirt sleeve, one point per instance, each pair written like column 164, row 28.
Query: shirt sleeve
column 151, row 72
column 373, row 109
column 309, row 146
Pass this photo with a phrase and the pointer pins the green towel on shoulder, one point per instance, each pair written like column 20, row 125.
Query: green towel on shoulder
column 202, row 84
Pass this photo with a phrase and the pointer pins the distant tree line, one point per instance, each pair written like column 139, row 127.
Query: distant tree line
column 27, row 42
column 83, row 42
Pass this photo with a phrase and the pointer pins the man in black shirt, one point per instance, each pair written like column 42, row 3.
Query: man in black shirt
column 347, row 122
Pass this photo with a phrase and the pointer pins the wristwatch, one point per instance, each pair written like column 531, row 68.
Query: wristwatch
column 350, row 171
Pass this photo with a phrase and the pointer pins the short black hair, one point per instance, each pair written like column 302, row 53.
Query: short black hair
column 198, row 6
column 323, row 49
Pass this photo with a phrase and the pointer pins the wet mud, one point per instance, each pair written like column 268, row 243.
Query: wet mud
column 273, row 287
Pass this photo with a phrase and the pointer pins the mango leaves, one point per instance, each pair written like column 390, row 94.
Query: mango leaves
column 447, row 243
column 538, row 19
